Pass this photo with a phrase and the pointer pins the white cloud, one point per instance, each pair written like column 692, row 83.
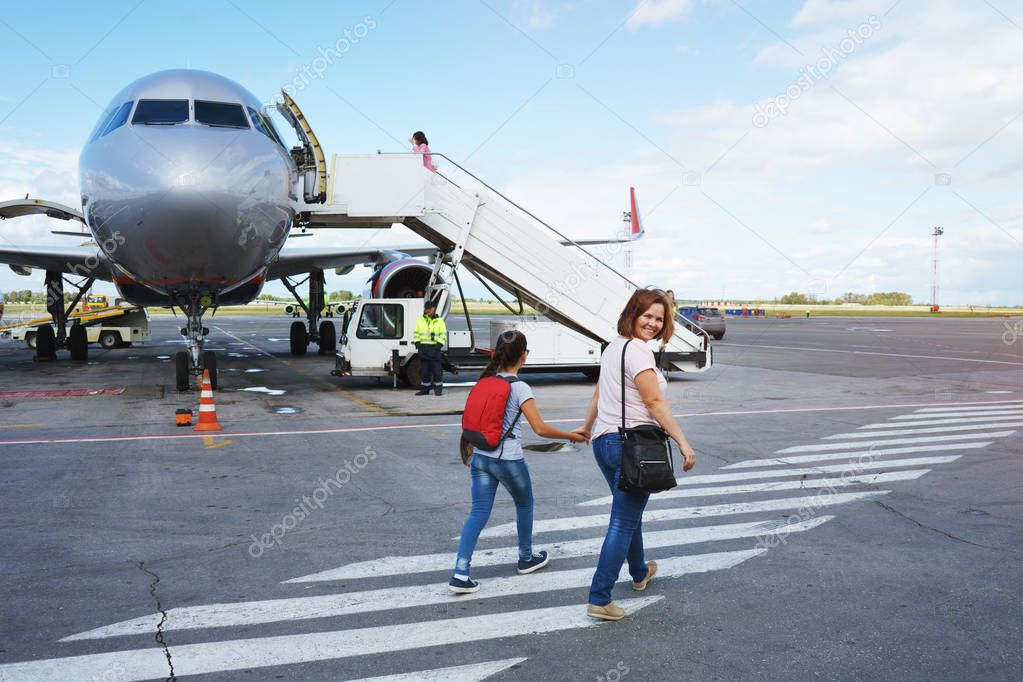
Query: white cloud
column 659, row 12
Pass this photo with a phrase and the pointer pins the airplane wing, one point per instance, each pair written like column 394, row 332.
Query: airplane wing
column 291, row 262
column 81, row 261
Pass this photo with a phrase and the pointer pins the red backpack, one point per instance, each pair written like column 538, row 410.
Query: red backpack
column 483, row 418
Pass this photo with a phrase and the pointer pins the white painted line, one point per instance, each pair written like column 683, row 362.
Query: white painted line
column 800, row 459
column 801, row 349
column 996, row 392
column 892, row 441
column 348, row 603
column 933, row 429
column 474, row 672
column 952, row 420
column 424, row 563
column 655, row 515
column 865, row 463
column 261, row 652
column 800, row 484
column 978, row 414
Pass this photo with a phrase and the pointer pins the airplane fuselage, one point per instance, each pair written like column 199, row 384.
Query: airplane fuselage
column 187, row 189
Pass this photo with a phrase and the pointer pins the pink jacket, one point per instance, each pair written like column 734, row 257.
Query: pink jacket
column 427, row 157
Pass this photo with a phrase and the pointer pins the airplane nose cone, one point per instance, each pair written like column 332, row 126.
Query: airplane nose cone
column 192, row 208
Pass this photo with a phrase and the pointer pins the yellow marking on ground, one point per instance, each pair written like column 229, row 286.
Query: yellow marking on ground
column 210, row 442
column 20, row 426
column 373, row 407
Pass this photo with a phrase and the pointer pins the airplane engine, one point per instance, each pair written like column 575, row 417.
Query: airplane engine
column 405, row 278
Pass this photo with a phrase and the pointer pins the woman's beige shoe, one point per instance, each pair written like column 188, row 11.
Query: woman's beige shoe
column 651, row 571
column 609, row 611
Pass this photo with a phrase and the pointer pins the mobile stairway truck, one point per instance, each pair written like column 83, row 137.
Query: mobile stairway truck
column 376, row 340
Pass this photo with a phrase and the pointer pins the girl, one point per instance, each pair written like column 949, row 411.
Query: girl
column 419, row 144
column 506, row 466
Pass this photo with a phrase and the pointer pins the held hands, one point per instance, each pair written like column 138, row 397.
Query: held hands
column 580, row 435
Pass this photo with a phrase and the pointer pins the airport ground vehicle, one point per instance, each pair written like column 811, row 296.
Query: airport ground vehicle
column 709, row 320
column 109, row 327
column 376, row 340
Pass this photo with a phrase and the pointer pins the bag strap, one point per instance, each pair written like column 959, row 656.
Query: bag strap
column 510, row 380
column 624, row 348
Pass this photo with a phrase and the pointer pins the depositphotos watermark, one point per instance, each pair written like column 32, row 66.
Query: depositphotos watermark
column 310, row 503
column 1012, row 332
column 811, row 74
column 315, row 69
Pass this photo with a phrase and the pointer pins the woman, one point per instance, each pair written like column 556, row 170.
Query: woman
column 506, row 466
column 420, row 145
column 647, row 316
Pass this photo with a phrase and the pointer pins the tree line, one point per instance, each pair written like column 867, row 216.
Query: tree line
column 877, row 298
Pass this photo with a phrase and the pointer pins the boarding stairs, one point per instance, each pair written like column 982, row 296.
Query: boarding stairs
column 477, row 227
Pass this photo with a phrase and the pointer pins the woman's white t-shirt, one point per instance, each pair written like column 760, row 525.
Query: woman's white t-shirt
column 638, row 358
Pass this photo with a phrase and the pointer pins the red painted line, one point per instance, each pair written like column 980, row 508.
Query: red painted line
column 396, row 427
column 68, row 393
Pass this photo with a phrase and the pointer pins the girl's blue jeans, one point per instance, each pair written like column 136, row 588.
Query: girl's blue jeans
column 487, row 473
column 624, row 539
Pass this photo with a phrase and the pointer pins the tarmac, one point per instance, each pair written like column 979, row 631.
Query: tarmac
column 854, row 514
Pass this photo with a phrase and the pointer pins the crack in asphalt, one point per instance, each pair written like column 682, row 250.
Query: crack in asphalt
column 163, row 618
column 950, row 536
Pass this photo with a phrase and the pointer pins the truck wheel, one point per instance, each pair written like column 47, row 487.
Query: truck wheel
column 46, row 342
column 299, row 338
column 109, row 340
column 592, row 373
column 209, row 362
column 328, row 338
column 78, row 343
column 412, row 372
column 181, row 374
column 30, row 340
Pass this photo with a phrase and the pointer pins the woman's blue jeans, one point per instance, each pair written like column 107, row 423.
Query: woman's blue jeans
column 624, row 539
column 486, row 473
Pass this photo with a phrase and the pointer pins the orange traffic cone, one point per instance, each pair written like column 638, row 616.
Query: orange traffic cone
column 207, row 410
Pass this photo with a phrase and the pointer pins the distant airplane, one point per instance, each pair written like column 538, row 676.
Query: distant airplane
column 189, row 194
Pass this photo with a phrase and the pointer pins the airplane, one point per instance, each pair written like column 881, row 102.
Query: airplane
column 190, row 194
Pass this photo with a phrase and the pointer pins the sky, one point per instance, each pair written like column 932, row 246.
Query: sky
column 775, row 145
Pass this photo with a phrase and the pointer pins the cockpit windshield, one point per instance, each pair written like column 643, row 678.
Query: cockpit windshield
column 160, row 112
column 220, row 114
column 264, row 125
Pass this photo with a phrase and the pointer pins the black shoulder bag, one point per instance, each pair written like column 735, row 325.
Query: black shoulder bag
column 647, row 465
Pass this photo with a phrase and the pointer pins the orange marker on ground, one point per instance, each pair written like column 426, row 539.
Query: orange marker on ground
column 207, row 410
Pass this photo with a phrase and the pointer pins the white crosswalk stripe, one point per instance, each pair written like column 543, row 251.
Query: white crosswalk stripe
column 865, row 463
column 938, row 422
column 461, row 673
column 892, row 441
column 935, row 415
column 261, row 652
column 655, row 515
column 785, row 471
column 935, row 429
column 565, row 549
column 348, row 603
column 973, row 407
column 775, row 486
column 801, row 459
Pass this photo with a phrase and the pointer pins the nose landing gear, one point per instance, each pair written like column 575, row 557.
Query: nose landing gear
column 191, row 362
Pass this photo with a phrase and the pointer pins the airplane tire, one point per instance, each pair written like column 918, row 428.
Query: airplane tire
column 209, row 362
column 328, row 338
column 78, row 342
column 46, row 342
column 181, row 374
column 299, row 338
